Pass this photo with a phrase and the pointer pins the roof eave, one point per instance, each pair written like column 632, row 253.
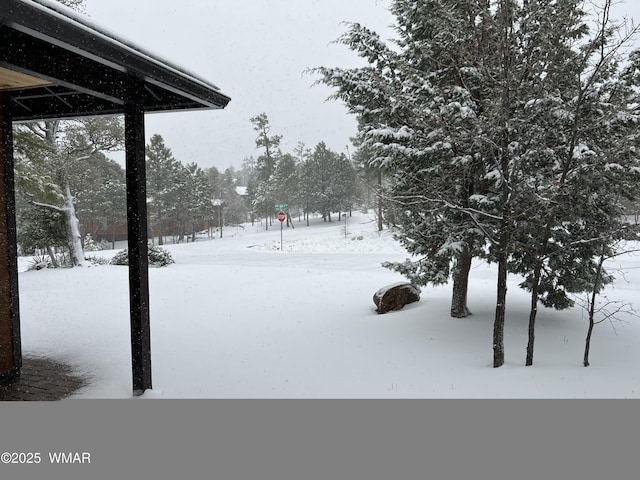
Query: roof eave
column 167, row 86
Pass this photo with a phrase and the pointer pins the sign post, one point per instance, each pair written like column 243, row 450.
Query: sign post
column 281, row 217
column 282, row 209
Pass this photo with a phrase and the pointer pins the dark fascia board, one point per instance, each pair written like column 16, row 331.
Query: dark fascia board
column 90, row 88
column 45, row 22
column 39, row 58
column 56, row 103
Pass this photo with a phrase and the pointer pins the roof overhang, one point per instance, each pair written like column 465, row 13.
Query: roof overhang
column 55, row 64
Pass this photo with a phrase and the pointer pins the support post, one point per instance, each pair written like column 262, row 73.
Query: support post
column 137, row 244
column 10, row 343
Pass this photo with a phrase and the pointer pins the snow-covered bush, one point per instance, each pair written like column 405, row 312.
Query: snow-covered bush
column 98, row 260
column 121, row 258
column 158, row 257
column 38, row 262
column 59, row 260
column 90, row 245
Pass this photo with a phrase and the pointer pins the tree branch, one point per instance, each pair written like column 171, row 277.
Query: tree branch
column 49, row 206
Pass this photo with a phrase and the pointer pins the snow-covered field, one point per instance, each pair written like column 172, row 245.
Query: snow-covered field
column 236, row 317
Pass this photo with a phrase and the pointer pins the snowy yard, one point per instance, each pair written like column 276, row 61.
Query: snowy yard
column 238, row 318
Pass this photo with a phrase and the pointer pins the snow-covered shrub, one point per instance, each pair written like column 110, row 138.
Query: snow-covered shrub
column 158, row 257
column 121, row 258
column 38, row 262
column 98, row 260
column 60, row 260
column 90, row 245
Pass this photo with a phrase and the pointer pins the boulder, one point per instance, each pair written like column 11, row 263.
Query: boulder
column 395, row 296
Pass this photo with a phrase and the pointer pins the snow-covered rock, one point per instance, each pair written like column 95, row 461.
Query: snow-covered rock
column 395, row 296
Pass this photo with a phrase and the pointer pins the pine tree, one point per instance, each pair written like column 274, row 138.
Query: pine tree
column 285, row 186
column 569, row 118
column 163, row 186
column 102, row 197
column 417, row 106
column 304, row 194
column 372, row 179
column 261, row 190
column 499, row 122
column 194, row 200
column 236, row 208
column 329, row 182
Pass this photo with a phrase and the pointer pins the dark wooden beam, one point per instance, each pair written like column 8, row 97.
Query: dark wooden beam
column 10, row 343
column 137, row 245
column 100, row 46
column 59, row 102
column 89, row 68
column 37, row 58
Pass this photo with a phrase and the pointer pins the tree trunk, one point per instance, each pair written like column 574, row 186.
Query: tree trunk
column 587, row 346
column 52, row 256
column 498, row 324
column 503, row 244
column 73, row 231
column 459, row 308
column 160, row 228
column 379, row 195
column 533, row 313
column 592, row 307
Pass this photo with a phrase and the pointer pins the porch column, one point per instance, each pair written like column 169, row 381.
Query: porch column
column 137, row 244
column 10, row 345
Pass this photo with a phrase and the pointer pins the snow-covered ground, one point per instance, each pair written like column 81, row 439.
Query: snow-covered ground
column 236, row 317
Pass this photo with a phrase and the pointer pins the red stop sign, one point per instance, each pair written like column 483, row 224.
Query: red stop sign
column 282, row 216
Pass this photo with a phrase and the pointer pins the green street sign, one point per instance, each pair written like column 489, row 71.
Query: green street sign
column 282, row 207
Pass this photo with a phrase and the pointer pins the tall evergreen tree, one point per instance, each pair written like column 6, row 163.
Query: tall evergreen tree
column 304, row 195
column 372, row 177
column 285, row 182
column 261, row 189
column 194, row 201
column 102, row 198
column 417, row 106
column 499, row 120
column 270, row 143
column 179, row 195
column 235, row 210
column 577, row 121
column 163, row 187
column 319, row 178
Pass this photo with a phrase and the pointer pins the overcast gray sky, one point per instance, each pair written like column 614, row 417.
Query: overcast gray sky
column 256, row 51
